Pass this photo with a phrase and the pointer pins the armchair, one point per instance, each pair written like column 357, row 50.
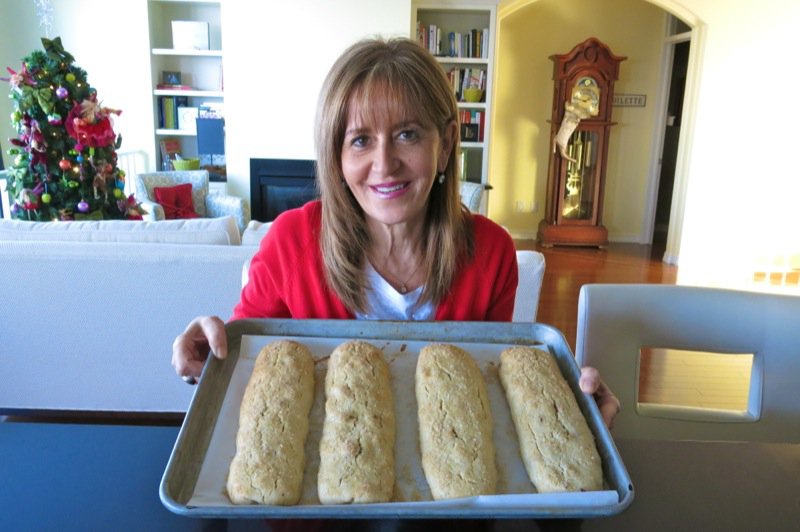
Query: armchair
column 473, row 194
column 206, row 205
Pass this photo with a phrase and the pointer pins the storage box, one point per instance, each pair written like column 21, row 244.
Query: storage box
column 189, row 35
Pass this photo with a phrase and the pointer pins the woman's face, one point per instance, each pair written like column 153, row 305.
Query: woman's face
column 390, row 161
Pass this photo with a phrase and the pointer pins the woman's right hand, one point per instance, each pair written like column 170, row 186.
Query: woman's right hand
column 190, row 349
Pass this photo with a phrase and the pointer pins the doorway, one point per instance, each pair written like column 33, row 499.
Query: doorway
column 678, row 45
column 669, row 149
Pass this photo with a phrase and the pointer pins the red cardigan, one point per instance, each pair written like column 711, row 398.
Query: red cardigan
column 286, row 278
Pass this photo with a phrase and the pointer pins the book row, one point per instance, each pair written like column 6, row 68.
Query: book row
column 174, row 112
column 463, row 78
column 473, row 43
column 168, row 110
column 472, row 125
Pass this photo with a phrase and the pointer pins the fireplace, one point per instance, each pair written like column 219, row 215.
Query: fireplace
column 277, row 185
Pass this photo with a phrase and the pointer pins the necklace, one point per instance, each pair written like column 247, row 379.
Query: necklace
column 403, row 288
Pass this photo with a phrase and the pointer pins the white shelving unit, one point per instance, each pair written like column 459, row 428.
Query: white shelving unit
column 200, row 69
column 463, row 19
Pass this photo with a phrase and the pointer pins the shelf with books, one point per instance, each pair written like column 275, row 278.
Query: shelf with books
column 186, row 61
column 461, row 37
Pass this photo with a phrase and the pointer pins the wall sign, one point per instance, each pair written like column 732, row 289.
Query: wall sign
column 630, row 100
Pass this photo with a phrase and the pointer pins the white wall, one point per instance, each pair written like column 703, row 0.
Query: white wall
column 739, row 174
column 276, row 57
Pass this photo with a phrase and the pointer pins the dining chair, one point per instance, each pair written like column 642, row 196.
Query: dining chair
column 617, row 322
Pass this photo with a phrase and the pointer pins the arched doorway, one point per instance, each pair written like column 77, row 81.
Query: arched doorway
column 521, row 123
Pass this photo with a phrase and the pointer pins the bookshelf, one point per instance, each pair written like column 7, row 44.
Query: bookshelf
column 193, row 51
column 461, row 36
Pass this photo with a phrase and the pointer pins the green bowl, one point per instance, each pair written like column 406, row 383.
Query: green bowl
column 473, row 95
column 186, row 164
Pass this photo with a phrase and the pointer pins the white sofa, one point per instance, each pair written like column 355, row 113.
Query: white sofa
column 90, row 311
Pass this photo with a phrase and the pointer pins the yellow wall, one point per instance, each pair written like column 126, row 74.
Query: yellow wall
column 528, row 33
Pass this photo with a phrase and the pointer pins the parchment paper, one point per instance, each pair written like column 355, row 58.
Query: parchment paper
column 514, row 488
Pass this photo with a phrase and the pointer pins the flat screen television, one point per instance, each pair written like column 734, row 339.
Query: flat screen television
column 277, row 185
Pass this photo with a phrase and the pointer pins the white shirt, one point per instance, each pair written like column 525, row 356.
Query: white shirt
column 386, row 303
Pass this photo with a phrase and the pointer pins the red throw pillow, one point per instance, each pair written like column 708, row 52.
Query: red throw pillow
column 177, row 201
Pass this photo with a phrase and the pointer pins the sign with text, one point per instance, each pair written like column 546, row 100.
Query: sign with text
column 630, row 100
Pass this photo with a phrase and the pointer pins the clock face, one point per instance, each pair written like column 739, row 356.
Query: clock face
column 586, row 96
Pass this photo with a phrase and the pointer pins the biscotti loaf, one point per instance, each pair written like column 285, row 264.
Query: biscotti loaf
column 357, row 446
column 273, row 425
column 455, row 423
column 557, row 447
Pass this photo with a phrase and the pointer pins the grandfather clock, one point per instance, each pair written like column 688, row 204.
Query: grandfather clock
column 579, row 130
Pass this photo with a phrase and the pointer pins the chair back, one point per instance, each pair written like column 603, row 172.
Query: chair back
column 616, row 321
column 131, row 162
column 146, row 182
column 531, row 272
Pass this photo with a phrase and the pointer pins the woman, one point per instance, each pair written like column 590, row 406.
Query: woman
column 389, row 238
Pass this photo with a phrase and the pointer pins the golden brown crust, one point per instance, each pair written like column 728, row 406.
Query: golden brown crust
column 357, row 446
column 557, row 447
column 273, row 425
column 455, row 424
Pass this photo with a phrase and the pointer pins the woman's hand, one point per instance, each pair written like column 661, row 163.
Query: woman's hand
column 590, row 382
column 190, row 349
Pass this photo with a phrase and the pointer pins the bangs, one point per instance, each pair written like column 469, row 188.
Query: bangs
column 387, row 97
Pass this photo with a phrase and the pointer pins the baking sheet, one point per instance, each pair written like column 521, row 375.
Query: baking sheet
column 516, row 495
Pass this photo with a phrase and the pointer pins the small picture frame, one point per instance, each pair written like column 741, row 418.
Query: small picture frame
column 469, row 132
column 169, row 77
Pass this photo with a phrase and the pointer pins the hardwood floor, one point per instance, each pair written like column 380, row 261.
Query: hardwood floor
column 569, row 268
column 683, row 379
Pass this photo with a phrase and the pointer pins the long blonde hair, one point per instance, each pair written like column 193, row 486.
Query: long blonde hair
column 405, row 73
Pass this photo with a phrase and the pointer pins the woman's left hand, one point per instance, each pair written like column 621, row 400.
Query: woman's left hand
column 608, row 403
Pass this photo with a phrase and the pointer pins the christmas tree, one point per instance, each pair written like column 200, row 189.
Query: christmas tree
column 64, row 160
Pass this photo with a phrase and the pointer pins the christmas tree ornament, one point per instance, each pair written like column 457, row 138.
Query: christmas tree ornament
column 118, row 193
column 62, row 93
column 83, row 206
column 64, row 164
column 46, row 198
column 70, row 77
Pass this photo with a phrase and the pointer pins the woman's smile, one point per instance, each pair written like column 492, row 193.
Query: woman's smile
column 390, row 190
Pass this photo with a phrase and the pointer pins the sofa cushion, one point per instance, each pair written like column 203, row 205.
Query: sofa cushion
column 254, row 232
column 176, row 201
column 220, row 231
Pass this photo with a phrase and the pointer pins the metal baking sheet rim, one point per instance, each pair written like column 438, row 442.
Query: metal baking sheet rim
column 183, row 467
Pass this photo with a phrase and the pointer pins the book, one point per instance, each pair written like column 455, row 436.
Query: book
column 170, row 149
column 168, row 110
column 173, row 87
